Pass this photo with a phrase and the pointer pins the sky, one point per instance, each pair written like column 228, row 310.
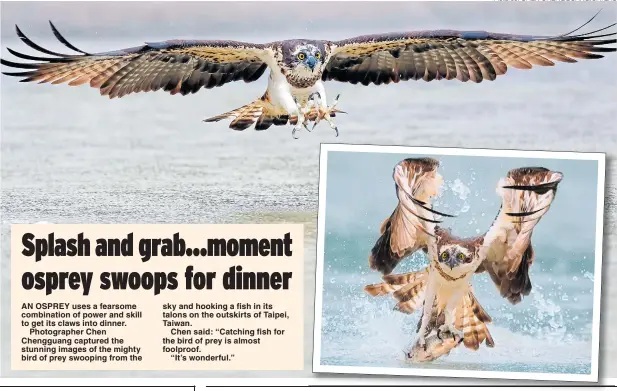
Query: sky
column 149, row 21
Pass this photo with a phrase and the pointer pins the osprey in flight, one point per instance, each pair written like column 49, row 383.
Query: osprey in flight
column 451, row 314
column 298, row 67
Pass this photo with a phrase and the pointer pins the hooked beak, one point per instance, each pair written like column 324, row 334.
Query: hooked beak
column 451, row 262
column 311, row 62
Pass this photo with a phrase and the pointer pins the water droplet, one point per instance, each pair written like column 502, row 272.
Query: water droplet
column 459, row 188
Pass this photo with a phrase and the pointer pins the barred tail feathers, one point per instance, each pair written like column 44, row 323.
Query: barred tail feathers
column 263, row 113
column 260, row 112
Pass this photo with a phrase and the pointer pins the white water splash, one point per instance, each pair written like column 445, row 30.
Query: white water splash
column 362, row 331
column 547, row 310
column 460, row 189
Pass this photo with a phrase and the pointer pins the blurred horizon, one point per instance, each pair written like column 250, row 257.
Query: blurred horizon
column 246, row 21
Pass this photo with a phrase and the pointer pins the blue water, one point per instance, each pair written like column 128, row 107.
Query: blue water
column 548, row 332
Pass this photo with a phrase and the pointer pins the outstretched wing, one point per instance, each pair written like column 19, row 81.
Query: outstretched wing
column 527, row 194
column 450, row 54
column 413, row 222
column 176, row 66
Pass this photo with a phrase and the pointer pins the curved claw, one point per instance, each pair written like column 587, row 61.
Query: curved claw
column 336, row 130
column 312, row 96
column 422, row 342
column 293, row 133
column 317, row 120
column 454, row 333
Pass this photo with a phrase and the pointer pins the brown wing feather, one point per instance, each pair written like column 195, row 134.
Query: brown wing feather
column 450, row 54
column 380, row 289
column 406, row 278
column 407, row 288
column 175, row 66
column 527, row 194
column 412, row 222
column 410, row 297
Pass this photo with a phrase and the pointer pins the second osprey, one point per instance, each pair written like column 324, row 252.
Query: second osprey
column 451, row 313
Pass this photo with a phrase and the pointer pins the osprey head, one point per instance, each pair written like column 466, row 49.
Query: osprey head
column 457, row 259
column 303, row 57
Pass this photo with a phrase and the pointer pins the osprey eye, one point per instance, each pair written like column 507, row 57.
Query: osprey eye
column 301, row 56
column 444, row 255
column 318, row 55
column 461, row 256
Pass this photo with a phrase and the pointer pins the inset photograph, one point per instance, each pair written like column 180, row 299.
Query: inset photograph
column 459, row 262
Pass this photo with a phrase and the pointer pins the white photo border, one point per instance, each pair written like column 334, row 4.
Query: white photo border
column 600, row 158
